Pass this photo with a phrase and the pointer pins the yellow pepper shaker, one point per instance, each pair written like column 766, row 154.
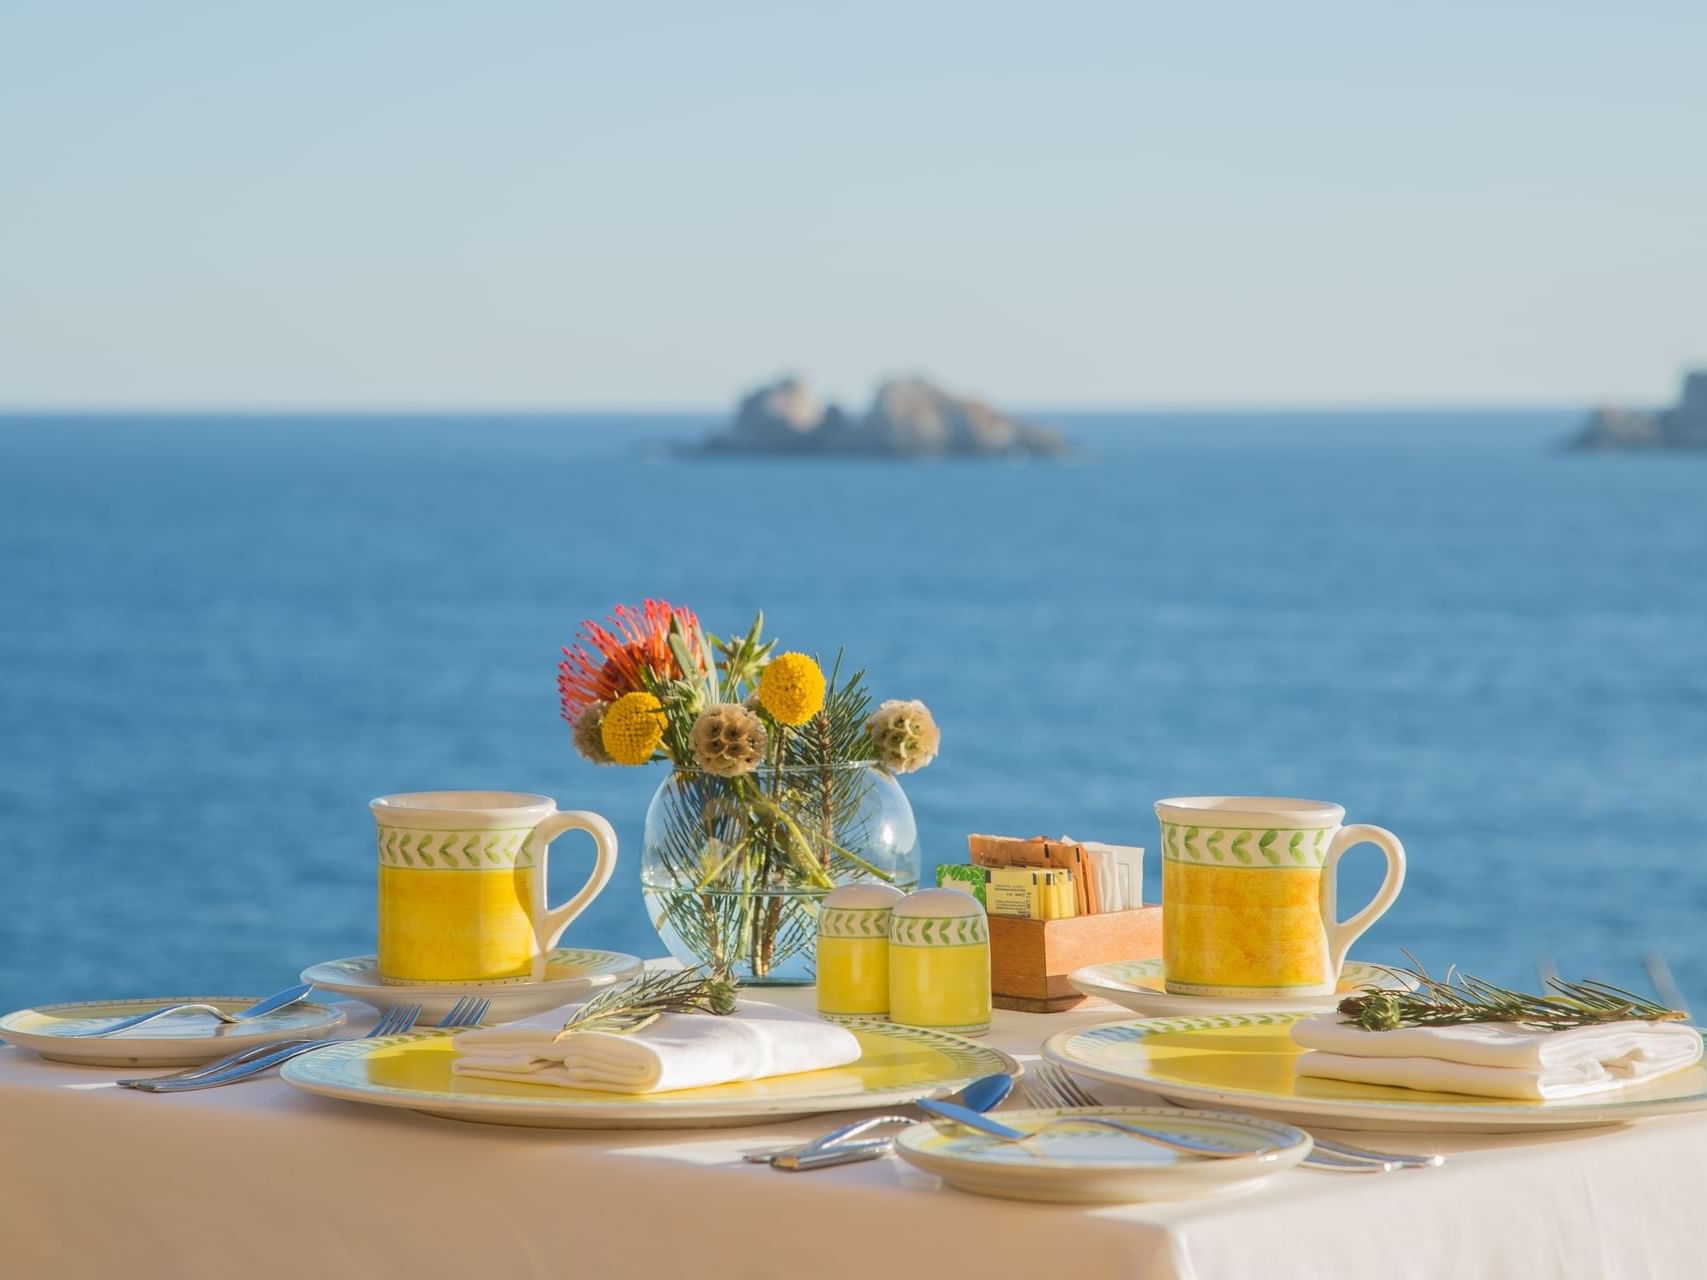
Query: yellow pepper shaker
column 939, row 962
column 853, row 951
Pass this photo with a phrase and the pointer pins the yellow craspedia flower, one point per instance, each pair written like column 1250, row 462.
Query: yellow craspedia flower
column 632, row 728
column 792, row 688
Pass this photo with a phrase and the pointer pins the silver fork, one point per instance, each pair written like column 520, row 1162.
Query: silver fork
column 273, row 1003
column 394, row 1021
column 469, row 1011
column 1049, row 1085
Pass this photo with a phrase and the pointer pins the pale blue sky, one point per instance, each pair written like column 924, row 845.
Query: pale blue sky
column 556, row 205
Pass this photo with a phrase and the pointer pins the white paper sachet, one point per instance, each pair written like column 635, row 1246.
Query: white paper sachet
column 1495, row 1059
column 1124, row 873
column 678, row 1051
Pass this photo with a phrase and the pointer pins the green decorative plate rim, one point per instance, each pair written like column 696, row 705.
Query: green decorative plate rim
column 589, row 962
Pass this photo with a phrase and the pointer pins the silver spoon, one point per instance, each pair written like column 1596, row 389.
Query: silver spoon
column 832, row 1148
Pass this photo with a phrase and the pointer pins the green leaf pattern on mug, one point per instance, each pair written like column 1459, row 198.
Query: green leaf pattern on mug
column 1246, row 847
column 454, row 850
column 1266, row 846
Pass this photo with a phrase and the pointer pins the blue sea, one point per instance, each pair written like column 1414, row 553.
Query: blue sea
column 220, row 637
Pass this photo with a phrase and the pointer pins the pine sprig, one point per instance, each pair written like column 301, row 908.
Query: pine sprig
column 836, row 736
column 1459, row 998
column 639, row 1003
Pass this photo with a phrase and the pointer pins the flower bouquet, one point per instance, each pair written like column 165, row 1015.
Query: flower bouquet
column 782, row 781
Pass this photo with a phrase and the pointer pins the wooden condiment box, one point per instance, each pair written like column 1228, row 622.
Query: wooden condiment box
column 1030, row 959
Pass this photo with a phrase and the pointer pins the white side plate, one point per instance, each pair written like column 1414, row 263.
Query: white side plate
column 572, row 973
column 1085, row 1164
column 1138, row 985
column 178, row 1039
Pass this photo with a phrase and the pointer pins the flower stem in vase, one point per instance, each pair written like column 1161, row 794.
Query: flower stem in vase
column 764, row 939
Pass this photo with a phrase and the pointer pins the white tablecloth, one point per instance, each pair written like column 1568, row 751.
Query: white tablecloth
column 258, row 1180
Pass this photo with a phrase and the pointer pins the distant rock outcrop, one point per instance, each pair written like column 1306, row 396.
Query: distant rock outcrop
column 777, row 416
column 1684, row 426
column 908, row 418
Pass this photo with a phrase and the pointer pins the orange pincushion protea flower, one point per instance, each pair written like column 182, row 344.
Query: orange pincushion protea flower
column 609, row 660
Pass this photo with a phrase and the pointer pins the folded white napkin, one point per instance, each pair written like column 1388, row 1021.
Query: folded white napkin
column 678, row 1051
column 1496, row 1059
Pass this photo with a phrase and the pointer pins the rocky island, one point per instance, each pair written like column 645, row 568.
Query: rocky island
column 1684, row 426
column 908, row 418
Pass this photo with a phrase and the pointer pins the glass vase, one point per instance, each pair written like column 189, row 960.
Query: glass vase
column 735, row 869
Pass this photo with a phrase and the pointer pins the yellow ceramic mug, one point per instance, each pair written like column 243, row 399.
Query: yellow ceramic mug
column 462, row 883
column 1248, row 894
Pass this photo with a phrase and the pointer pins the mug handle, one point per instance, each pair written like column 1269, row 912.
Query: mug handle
column 1342, row 933
column 548, row 925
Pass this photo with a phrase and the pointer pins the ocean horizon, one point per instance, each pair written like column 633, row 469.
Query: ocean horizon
column 224, row 633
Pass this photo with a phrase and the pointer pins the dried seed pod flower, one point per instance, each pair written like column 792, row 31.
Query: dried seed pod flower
column 905, row 735
column 728, row 739
column 589, row 733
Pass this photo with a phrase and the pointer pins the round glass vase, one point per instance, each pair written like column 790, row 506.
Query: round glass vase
column 734, row 869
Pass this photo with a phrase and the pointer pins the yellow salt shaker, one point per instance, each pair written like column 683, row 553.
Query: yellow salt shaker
column 853, row 951
column 939, row 962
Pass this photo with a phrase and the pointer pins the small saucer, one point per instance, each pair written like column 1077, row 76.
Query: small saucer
column 1140, row 985
column 1087, row 1165
column 177, row 1040
column 571, row 973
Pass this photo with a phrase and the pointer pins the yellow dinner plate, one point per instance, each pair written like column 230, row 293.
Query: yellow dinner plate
column 1244, row 1061
column 897, row 1064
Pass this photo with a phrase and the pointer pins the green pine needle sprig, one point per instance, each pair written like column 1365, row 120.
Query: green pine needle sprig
column 1459, row 998
column 641, row 1002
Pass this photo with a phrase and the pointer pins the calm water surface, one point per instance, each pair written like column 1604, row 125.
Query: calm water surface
column 220, row 638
